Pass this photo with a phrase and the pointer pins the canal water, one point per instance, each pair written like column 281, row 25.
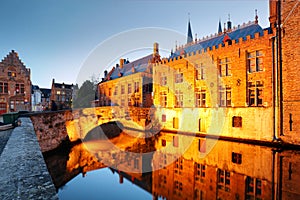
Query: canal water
column 173, row 166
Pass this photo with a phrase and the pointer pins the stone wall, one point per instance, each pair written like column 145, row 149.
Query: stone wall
column 54, row 128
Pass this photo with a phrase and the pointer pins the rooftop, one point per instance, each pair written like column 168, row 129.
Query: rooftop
column 241, row 31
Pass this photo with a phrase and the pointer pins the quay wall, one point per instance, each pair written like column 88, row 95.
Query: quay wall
column 23, row 172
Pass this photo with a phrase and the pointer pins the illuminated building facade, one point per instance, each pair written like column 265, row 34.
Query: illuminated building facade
column 220, row 85
column 129, row 84
column 15, row 84
column 62, row 94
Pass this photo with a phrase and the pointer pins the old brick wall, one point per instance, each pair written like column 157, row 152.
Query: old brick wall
column 290, row 75
column 52, row 128
column 257, row 121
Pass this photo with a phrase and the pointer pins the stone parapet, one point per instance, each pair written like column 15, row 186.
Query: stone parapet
column 23, row 172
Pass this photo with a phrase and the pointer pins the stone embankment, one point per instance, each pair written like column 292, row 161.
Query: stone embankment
column 23, row 172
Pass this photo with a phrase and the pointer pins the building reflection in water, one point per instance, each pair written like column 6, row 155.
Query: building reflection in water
column 229, row 170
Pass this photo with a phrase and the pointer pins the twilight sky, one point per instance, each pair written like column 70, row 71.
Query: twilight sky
column 55, row 38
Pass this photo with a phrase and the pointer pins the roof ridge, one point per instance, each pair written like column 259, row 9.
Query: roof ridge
column 215, row 35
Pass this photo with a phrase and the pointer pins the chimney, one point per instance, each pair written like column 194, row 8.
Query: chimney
column 120, row 178
column 122, row 61
column 155, row 49
column 229, row 23
column 105, row 73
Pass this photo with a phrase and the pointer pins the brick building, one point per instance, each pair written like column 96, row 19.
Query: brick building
column 241, row 82
column 36, row 98
column 62, row 94
column 219, row 85
column 129, row 83
column 46, row 95
column 285, row 18
column 15, row 84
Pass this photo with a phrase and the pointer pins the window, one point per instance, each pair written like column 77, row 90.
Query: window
column 199, row 172
column 129, row 88
column 122, row 89
column 255, row 61
column 255, row 90
column 17, row 88
column 163, row 80
column 200, row 97
column 163, row 143
column 163, row 99
column 225, row 96
column 136, row 87
column 236, row 158
column 175, row 122
column 129, row 101
column 177, row 188
column 162, row 180
column 200, row 73
column 225, row 67
column 137, row 101
column 116, row 90
column 236, row 121
column 3, row 88
column 199, row 194
column 11, row 74
column 179, row 77
column 178, row 166
column 22, row 88
column 58, row 92
column 122, row 102
column 253, row 188
column 178, row 98
column 109, row 92
column 224, row 180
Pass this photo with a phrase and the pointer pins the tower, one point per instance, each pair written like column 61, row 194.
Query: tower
column 189, row 34
column 220, row 28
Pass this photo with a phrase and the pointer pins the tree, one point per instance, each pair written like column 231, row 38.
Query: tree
column 86, row 94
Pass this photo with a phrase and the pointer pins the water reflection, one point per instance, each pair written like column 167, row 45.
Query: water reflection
column 229, row 170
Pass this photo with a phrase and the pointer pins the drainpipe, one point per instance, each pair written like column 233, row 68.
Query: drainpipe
column 280, row 66
column 274, row 89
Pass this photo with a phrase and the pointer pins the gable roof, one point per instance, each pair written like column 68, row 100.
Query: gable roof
column 139, row 65
column 60, row 85
column 239, row 32
column 46, row 92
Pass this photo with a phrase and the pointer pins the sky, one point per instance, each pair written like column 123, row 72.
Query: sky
column 59, row 38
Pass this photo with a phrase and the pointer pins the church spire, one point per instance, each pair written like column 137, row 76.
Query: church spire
column 220, row 28
column 189, row 34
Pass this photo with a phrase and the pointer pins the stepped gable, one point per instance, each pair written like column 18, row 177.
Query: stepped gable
column 12, row 59
column 136, row 66
column 240, row 32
